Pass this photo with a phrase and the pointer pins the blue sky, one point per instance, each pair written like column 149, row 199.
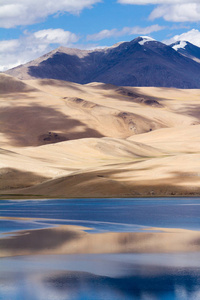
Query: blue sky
column 31, row 28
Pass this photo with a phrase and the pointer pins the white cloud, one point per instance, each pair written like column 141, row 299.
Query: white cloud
column 102, row 35
column 189, row 12
column 33, row 45
column 8, row 45
column 55, row 36
column 125, row 31
column 192, row 36
column 26, row 12
column 171, row 10
column 142, row 2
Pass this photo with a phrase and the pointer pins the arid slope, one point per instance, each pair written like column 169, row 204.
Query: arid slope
column 62, row 139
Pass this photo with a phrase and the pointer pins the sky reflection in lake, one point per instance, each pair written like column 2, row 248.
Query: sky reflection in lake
column 121, row 276
column 95, row 277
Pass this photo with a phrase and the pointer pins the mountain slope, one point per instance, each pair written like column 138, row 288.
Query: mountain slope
column 141, row 62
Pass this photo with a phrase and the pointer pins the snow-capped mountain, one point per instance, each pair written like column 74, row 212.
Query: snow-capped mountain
column 141, row 62
column 187, row 49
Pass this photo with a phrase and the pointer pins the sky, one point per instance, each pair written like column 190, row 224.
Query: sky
column 32, row 28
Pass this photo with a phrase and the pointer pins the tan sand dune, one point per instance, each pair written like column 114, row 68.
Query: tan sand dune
column 44, row 118
column 9, row 85
column 155, row 177
column 97, row 140
column 184, row 139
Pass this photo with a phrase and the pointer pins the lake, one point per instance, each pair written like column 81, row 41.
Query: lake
column 100, row 249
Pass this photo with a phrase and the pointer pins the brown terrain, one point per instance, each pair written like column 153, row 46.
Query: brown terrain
column 63, row 139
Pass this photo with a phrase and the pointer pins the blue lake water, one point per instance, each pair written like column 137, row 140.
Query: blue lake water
column 104, row 214
column 101, row 276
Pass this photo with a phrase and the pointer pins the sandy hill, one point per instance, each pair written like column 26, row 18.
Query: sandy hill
column 63, row 139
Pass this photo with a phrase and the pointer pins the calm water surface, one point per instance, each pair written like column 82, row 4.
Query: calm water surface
column 102, row 276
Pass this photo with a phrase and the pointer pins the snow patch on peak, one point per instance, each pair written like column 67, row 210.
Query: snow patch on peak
column 145, row 39
column 180, row 45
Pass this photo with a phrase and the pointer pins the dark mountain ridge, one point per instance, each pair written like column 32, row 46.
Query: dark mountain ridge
column 141, row 62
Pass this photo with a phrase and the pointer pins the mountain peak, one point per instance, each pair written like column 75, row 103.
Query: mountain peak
column 179, row 45
column 145, row 39
column 187, row 49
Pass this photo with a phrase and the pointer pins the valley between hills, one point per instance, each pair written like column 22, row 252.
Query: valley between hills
column 67, row 140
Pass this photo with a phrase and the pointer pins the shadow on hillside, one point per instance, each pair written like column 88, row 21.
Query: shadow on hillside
column 109, row 183
column 9, row 85
column 60, row 66
column 15, row 179
column 191, row 110
column 19, row 97
column 36, row 125
column 59, row 83
column 134, row 95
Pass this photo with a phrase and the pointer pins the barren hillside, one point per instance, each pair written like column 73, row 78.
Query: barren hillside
column 62, row 139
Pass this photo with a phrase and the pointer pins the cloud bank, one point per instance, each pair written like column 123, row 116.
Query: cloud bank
column 188, row 12
column 171, row 10
column 125, row 31
column 26, row 12
column 143, row 2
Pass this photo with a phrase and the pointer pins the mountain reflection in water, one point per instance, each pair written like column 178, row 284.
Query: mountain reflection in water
column 68, row 239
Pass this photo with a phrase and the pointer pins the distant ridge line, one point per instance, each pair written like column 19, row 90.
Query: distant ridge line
column 140, row 62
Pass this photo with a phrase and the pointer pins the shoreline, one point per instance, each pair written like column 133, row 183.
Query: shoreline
column 32, row 198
